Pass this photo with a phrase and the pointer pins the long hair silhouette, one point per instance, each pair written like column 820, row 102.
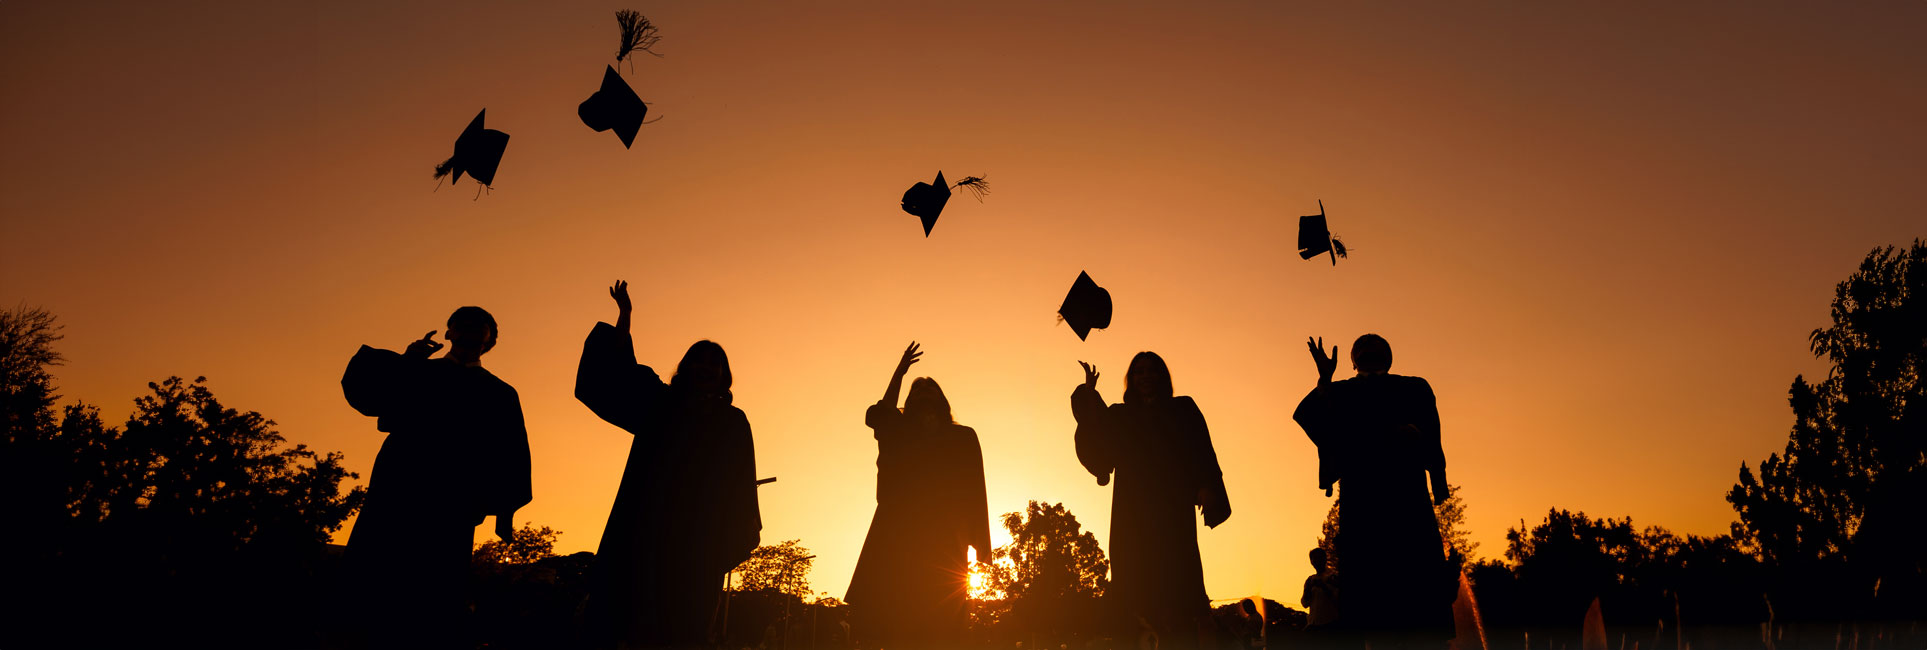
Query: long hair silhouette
column 1147, row 379
column 926, row 402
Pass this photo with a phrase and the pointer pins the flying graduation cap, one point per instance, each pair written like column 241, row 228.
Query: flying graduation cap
column 1315, row 239
column 615, row 106
column 926, row 200
column 478, row 151
column 1086, row 307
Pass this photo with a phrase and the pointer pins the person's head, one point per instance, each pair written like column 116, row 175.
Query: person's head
column 926, row 401
column 1147, row 379
column 471, row 332
column 1318, row 559
column 1371, row 355
column 704, row 369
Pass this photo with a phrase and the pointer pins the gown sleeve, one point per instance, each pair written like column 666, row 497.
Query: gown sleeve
column 376, row 380
column 881, row 417
column 1214, row 501
column 610, row 382
column 506, row 485
column 1426, row 418
column 1314, row 416
column 1096, row 444
column 974, row 511
column 743, row 519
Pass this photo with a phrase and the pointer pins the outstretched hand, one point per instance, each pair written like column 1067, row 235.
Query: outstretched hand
column 505, row 527
column 910, row 355
column 620, row 292
column 424, row 347
column 1090, row 375
column 1326, row 365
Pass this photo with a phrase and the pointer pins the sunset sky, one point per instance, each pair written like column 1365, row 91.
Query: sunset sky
column 1601, row 232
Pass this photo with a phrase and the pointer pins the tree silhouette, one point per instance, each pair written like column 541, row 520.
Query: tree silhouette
column 527, row 546
column 188, row 507
column 783, row 567
column 1851, row 479
column 1047, row 580
column 27, row 337
column 1050, row 556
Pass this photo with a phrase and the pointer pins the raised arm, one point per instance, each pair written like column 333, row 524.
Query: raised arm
column 620, row 292
column 1095, row 448
column 608, row 380
column 888, row 405
column 377, row 380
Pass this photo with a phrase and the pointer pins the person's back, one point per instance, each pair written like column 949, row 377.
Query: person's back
column 1378, row 439
column 456, row 453
column 686, row 511
column 910, row 586
column 1157, row 448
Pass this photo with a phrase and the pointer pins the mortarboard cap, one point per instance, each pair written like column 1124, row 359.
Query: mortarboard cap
column 1313, row 237
column 478, row 151
column 1086, row 307
column 926, row 201
column 614, row 106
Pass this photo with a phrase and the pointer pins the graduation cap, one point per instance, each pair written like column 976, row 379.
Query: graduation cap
column 1086, row 307
column 477, row 152
column 926, row 200
column 615, row 106
column 1314, row 238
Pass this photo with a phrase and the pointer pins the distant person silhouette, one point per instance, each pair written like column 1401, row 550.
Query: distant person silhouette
column 1378, row 439
column 912, row 580
column 686, row 513
column 457, row 451
column 1166, row 470
column 1321, row 594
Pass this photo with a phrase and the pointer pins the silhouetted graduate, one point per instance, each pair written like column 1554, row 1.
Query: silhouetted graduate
column 478, row 151
column 686, row 513
column 614, row 106
column 1378, row 439
column 926, row 200
column 911, row 581
column 457, row 451
column 1086, row 307
column 1160, row 452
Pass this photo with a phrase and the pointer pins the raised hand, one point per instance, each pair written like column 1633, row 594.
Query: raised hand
column 620, row 292
column 1090, row 375
column 422, row 348
column 1326, row 365
column 910, row 356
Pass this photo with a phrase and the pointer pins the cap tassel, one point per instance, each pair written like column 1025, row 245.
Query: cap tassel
column 978, row 186
column 637, row 34
column 442, row 170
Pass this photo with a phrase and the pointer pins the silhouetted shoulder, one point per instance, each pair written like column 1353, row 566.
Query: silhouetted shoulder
column 964, row 434
column 1185, row 403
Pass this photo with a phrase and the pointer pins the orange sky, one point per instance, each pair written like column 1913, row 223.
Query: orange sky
column 1602, row 233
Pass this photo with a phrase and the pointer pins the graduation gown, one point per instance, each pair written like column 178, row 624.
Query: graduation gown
column 912, row 578
column 686, row 512
column 1162, row 458
column 1377, row 437
column 457, row 451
